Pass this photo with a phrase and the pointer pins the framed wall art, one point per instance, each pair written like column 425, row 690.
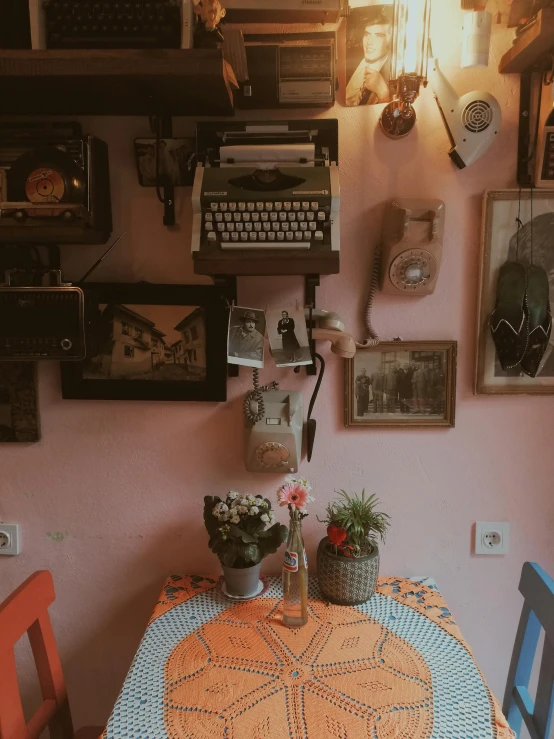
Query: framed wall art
column 500, row 243
column 369, row 36
column 154, row 342
column 402, row 383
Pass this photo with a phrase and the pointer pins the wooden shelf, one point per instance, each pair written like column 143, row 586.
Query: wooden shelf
column 266, row 262
column 114, row 82
column 527, row 50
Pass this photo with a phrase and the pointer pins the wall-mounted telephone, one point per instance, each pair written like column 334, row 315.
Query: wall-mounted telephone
column 274, row 440
column 413, row 233
column 275, row 418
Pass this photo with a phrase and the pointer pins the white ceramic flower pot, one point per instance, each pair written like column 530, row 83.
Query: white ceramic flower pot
column 243, row 582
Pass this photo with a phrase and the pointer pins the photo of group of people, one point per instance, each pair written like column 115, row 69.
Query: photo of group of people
column 392, row 385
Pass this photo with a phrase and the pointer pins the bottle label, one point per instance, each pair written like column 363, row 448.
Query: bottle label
column 305, row 561
column 291, row 561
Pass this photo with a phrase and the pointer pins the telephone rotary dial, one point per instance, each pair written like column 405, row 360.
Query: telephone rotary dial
column 413, row 269
column 272, row 455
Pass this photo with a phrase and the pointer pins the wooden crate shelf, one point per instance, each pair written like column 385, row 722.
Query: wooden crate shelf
column 528, row 49
column 114, row 82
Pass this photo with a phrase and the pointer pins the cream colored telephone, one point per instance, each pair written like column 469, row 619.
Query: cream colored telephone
column 274, row 419
column 413, row 233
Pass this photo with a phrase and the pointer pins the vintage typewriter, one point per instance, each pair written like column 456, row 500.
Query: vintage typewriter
column 133, row 24
column 266, row 198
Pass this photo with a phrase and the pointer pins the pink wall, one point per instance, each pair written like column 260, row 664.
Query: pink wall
column 120, row 485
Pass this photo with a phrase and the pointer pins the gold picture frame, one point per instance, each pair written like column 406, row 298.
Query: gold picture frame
column 402, row 384
column 499, row 242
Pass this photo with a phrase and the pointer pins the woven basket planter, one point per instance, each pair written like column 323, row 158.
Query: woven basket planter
column 345, row 581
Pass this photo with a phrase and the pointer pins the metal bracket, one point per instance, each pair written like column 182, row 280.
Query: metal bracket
column 162, row 127
column 311, row 282
column 228, row 286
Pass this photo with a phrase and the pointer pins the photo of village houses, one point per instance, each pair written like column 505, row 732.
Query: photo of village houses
column 164, row 343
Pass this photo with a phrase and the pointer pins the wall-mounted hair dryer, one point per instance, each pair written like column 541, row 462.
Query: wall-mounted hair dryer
column 472, row 121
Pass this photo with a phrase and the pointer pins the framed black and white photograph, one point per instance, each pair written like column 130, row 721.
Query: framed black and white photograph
column 245, row 342
column 177, row 161
column 401, row 383
column 369, row 33
column 153, row 342
column 19, row 411
column 288, row 337
column 501, row 242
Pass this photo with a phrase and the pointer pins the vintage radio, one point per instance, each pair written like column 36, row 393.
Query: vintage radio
column 42, row 322
column 54, row 185
column 289, row 70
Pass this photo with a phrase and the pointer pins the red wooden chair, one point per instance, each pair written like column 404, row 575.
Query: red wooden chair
column 26, row 610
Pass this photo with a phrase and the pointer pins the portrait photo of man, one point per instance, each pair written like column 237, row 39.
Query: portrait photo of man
column 246, row 337
column 368, row 55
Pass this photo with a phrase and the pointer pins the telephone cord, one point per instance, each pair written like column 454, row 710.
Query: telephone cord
column 255, row 396
column 373, row 338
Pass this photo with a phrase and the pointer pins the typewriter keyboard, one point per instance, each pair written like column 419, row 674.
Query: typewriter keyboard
column 273, row 225
column 134, row 24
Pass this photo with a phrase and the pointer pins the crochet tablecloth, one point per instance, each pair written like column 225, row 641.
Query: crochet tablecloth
column 396, row 666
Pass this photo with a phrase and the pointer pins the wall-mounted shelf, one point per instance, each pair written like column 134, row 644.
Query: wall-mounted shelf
column 114, row 82
column 263, row 263
column 528, row 49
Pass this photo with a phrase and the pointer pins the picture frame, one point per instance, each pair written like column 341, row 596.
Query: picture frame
column 155, row 342
column 499, row 242
column 402, row 384
column 368, row 52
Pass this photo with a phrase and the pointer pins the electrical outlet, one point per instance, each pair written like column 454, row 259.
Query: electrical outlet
column 492, row 538
column 9, row 538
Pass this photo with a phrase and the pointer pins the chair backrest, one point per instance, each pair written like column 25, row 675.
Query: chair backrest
column 537, row 589
column 26, row 610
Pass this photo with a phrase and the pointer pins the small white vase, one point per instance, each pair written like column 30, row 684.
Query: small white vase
column 242, row 582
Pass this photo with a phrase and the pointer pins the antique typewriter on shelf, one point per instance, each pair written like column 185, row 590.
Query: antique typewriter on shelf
column 133, row 24
column 266, row 191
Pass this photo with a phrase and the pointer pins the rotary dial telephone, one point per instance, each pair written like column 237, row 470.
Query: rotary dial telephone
column 412, row 246
column 274, row 418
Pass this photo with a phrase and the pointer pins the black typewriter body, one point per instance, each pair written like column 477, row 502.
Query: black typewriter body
column 133, row 24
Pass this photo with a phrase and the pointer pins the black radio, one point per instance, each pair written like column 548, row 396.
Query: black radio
column 42, row 323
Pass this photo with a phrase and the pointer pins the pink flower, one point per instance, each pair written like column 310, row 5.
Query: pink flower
column 293, row 494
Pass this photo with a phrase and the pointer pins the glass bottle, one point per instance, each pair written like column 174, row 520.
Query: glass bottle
column 295, row 577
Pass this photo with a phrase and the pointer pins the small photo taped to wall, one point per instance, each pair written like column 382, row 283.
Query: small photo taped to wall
column 245, row 343
column 176, row 161
column 288, row 337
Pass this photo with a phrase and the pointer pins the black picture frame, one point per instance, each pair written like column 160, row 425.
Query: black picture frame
column 213, row 388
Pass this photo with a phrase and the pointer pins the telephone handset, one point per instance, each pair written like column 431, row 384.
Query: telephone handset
column 412, row 246
column 275, row 418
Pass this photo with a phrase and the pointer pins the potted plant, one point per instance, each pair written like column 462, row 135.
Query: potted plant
column 348, row 557
column 242, row 532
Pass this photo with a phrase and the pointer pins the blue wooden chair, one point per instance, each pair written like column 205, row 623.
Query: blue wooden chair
column 537, row 589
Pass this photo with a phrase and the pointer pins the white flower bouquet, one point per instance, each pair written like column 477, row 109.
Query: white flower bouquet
column 242, row 528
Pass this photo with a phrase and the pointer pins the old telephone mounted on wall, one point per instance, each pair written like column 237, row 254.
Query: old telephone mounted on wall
column 413, row 233
column 274, row 418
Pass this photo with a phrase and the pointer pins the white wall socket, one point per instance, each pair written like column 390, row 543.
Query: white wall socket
column 491, row 538
column 9, row 539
